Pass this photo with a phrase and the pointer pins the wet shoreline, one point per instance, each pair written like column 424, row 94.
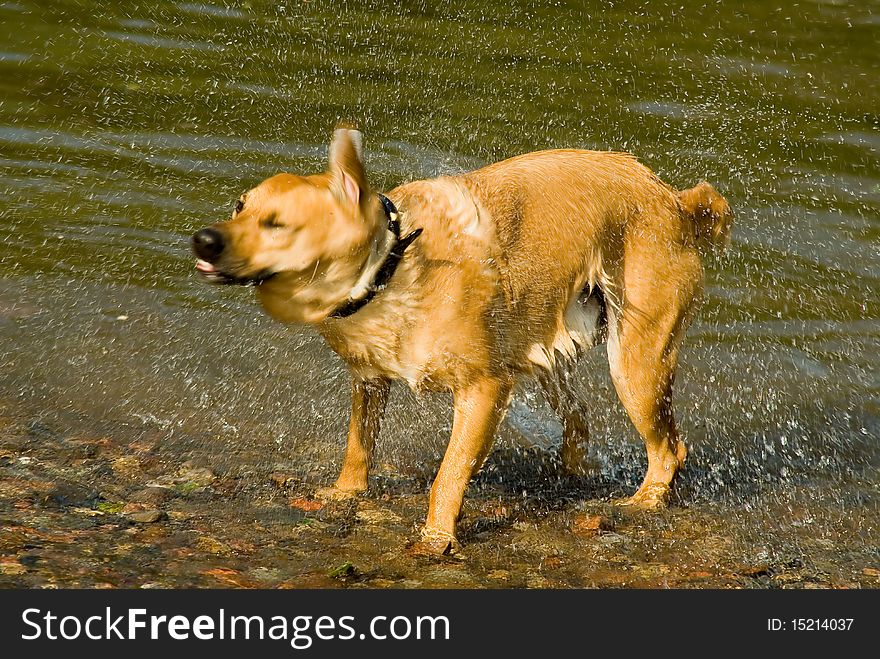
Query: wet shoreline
column 128, row 508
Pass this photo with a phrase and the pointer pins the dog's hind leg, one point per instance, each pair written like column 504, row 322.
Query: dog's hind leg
column 568, row 407
column 643, row 342
column 368, row 400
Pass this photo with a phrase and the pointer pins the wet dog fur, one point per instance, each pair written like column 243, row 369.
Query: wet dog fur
column 520, row 267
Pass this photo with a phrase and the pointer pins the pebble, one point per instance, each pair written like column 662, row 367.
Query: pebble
column 382, row 583
column 612, row 538
column 65, row 494
column 88, row 512
column 188, row 479
column 551, row 563
column 146, row 516
column 309, row 505
column 127, row 465
column 266, row 574
column 591, row 524
column 198, row 476
column 344, row 571
column 211, row 545
column 152, row 495
column 280, row 479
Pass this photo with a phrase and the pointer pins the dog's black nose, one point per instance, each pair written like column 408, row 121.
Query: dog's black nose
column 208, row 244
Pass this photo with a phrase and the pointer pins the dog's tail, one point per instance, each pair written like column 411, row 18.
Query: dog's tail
column 710, row 214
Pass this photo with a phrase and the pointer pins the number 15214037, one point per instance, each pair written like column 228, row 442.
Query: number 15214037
column 809, row 624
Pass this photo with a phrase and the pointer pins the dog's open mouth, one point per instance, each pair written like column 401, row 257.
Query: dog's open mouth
column 210, row 272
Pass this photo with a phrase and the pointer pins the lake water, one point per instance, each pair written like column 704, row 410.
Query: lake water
column 126, row 127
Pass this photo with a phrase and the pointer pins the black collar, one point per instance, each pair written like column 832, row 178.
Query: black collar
column 386, row 272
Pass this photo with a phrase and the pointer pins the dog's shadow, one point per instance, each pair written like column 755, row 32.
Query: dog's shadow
column 723, row 467
column 537, row 474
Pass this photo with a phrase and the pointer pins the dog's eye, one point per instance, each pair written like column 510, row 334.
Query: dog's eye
column 239, row 204
column 271, row 222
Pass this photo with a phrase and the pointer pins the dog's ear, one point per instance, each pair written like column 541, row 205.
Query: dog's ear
column 347, row 165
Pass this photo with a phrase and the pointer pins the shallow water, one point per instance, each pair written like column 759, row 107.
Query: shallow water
column 123, row 130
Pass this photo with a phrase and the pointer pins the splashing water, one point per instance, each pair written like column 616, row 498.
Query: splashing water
column 123, row 131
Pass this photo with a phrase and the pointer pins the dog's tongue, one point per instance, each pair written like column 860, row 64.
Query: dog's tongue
column 204, row 266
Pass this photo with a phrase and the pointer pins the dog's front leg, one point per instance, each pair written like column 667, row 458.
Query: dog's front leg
column 368, row 399
column 479, row 408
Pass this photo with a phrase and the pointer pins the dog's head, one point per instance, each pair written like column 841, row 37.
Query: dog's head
column 301, row 240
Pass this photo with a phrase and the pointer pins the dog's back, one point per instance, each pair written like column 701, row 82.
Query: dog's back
column 561, row 215
column 555, row 225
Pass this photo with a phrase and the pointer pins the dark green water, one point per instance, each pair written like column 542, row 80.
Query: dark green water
column 126, row 126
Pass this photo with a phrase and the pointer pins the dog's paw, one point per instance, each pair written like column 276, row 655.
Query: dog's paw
column 434, row 542
column 333, row 493
column 653, row 496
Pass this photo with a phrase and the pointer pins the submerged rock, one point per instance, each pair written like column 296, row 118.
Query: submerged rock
column 153, row 495
column 146, row 516
column 591, row 524
column 280, row 479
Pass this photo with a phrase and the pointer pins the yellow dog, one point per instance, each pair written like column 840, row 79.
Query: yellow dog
column 466, row 282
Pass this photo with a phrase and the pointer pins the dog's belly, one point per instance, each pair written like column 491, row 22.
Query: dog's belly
column 581, row 325
column 448, row 349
